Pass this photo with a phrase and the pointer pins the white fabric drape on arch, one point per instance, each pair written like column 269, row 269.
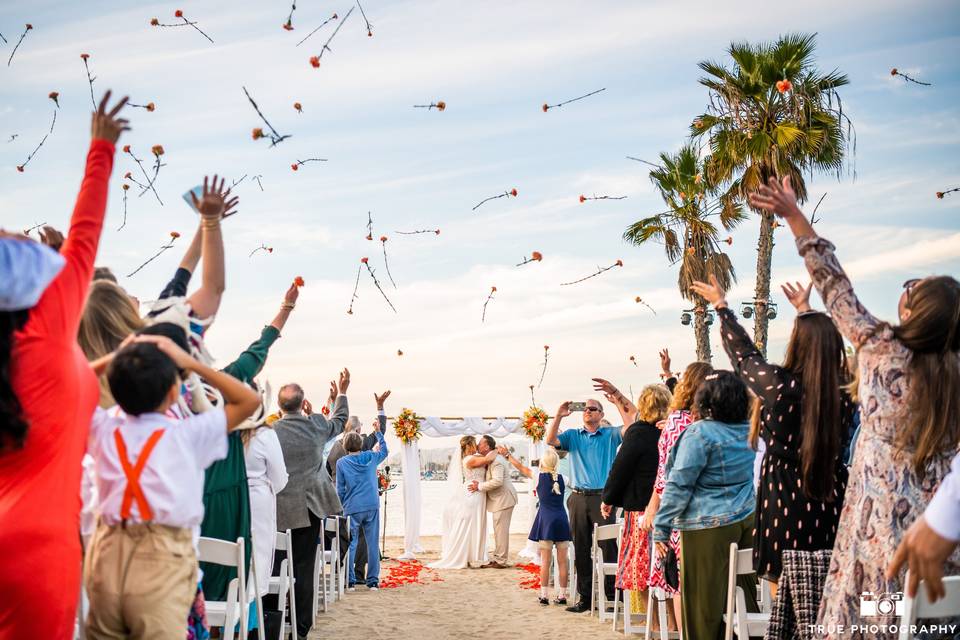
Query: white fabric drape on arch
column 411, row 501
column 498, row 427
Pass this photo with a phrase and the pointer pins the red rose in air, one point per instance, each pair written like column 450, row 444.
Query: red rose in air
column 55, row 97
column 537, row 256
column 493, row 289
column 383, row 238
column 546, row 107
column 583, row 198
column 441, row 105
column 437, row 232
column 315, row 61
column 294, row 167
column 29, row 26
column 127, row 175
column 154, row 22
column 126, row 148
column 269, row 249
column 369, row 33
column 370, row 237
column 619, row 263
column 174, row 235
column 513, row 192
column 178, row 13
column 729, row 240
column 298, row 107
column 288, row 25
column 126, row 187
column 893, row 71
column 84, row 56
column 257, row 133
column 151, row 107
column 20, row 168
column 364, row 260
column 157, row 150
column 940, row 195
column 298, row 281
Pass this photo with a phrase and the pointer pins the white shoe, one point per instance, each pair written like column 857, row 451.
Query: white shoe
column 351, row 589
column 374, row 588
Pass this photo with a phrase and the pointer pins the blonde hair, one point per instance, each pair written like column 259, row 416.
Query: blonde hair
column 465, row 442
column 654, row 403
column 548, row 464
column 690, row 381
column 108, row 318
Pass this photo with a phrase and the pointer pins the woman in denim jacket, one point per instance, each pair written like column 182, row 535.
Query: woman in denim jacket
column 709, row 497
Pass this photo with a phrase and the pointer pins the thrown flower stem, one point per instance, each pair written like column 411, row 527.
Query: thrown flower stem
column 315, row 60
column 369, row 26
column 533, row 399
column 493, row 290
column 300, row 163
column 129, row 176
column 151, row 107
column 584, row 198
column 655, row 166
column 813, row 216
column 26, row 232
column 90, row 79
column 288, row 25
column 376, row 282
column 12, row 137
column 633, row 359
column 546, row 107
column 369, row 227
column 505, row 194
column 23, row 166
column 275, row 137
column 236, row 182
column 618, row 263
column 640, row 300
column 356, row 286
column 906, row 78
column 262, row 247
column 17, row 46
column 322, row 25
column 179, row 14
column 259, row 184
column 941, row 194
column 2, row 38
column 386, row 263
column 439, row 105
column 157, row 152
column 536, row 256
column 127, row 149
column 126, row 188
column 546, row 357
column 173, row 238
column 413, row 233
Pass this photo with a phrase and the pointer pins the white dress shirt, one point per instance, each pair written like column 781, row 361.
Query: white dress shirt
column 172, row 480
column 943, row 512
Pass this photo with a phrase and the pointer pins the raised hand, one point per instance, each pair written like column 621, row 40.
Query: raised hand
column 381, row 399
column 333, row 392
column 344, row 381
column 181, row 358
column 712, row 293
column 52, row 238
column 611, row 392
column 290, row 297
column 502, row 450
column 798, row 295
column 777, row 197
column 105, row 125
column 307, row 407
column 665, row 362
column 213, row 201
column 564, row 409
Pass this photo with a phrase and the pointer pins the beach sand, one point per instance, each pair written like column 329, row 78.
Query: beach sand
column 483, row 603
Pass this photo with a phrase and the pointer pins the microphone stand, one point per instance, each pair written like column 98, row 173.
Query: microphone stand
column 383, row 534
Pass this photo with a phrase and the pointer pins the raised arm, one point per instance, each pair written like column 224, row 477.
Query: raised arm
column 551, row 437
column 179, row 284
column 521, row 468
column 851, row 317
column 249, row 363
column 59, row 309
column 628, row 410
column 382, row 453
column 341, row 409
column 481, row 461
column 212, row 205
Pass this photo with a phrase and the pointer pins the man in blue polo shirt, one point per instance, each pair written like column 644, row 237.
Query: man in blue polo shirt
column 591, row 450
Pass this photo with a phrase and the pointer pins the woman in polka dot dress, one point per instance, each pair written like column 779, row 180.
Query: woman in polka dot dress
column 805, row 417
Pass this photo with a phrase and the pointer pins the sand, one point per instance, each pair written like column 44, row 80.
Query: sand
column 483, row 603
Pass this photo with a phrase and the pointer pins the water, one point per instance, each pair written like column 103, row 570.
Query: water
column 433, row 498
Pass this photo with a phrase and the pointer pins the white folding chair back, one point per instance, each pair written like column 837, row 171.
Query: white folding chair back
column 282, row 585
column 227, row 613
column 344, row 571
column 736, row 618
column 327, row 567
column 602, row 568
column 920, row 607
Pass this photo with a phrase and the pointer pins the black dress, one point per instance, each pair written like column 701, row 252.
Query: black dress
column 786, row 518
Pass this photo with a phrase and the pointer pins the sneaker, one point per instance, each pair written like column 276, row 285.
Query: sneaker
column 374, row 588
column 351, row 589
column 545, row 601
column 561, row 601
column 580, row 607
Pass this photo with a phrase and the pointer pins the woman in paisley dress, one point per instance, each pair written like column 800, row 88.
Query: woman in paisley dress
column 910, row 430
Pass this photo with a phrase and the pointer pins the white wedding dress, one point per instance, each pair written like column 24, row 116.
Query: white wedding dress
column 464, row 521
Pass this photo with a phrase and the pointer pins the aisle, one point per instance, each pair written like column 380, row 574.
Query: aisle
column 486, row 603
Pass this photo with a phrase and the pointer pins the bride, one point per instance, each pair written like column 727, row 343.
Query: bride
column 465, row 516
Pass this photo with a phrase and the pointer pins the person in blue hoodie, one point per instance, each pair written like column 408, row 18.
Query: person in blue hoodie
column 357, row 488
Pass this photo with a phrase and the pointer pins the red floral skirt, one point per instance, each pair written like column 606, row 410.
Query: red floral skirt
column 633, row 565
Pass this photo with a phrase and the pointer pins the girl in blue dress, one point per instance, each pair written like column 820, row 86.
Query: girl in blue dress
column 551, row 527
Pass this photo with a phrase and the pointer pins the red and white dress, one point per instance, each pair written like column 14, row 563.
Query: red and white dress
column 677, row 422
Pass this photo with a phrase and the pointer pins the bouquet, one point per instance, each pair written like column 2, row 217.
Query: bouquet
column 407, row 426
column 535, row 423
column 383, row 481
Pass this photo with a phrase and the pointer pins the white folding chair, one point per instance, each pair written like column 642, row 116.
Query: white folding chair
column 737, row 619
column 327, row 567
column 602, row 569
column 282, row 585
column 920, row 607
column 255, row 596
column 344, row 570
column 226, row 613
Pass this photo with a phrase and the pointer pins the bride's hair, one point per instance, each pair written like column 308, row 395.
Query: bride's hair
column 548, row 464
column 466, row 441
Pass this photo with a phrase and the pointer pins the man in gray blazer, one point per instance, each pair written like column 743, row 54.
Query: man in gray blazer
column 310, row 495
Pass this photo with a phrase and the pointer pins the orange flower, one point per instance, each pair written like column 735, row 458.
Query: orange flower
column 437, row 232
column 537, row 256
column 633, row 359
column 20, row 168
column 399, row 352
column 315, row 61
column 294, row 167
column 288, row 25
column 638, row 299
column 126, row 148
column 127, row 175
column 54, row 96
column 370, row 237
column 493, row 289
column 619, row 263
column 441, row 105
column 151, row 107
column 546, row 347
column 298, row 281
column 583, row 198
column 546, row 107
column 29, row 26
column 154, row 22
column 893, row 71
column 364, row 260
column 383, row 238
column 369, row 33
column 940, row 195
column 126, row 187
column 257, row 133
column 729, row 240
column 298, row 107
column 269, row 249
column 174, row 235
column 513, row 192
column 157, row 150
column 84, row 56
column 178, row 13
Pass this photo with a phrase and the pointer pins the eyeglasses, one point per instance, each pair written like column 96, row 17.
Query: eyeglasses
column 591, row 409
column 911, row 283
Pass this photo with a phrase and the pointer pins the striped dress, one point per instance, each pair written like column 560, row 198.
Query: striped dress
column 677, row 422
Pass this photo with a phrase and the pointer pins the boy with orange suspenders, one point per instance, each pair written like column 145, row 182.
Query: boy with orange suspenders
column 141, row 566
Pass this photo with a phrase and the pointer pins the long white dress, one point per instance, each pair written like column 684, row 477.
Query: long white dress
column 266, row 476
column 464, row 524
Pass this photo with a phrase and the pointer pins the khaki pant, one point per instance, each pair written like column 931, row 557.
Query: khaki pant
column 141, row 580
column 501, row 535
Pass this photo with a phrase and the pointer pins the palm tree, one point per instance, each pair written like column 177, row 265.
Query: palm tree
column 686, row 230
column 773, row 114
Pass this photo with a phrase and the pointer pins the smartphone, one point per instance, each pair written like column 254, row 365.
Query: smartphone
column 197, row 191
column 578, row 406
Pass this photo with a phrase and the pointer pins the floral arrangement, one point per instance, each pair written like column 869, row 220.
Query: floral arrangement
column 383, row 481
column 535, row 423
column 407, row 426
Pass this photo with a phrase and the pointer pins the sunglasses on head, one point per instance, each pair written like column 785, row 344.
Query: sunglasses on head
column 911, row 283
column 591, row 408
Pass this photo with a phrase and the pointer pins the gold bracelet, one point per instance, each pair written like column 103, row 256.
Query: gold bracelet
column 288, row 305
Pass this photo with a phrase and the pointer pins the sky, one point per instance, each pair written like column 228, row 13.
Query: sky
column 494, row 64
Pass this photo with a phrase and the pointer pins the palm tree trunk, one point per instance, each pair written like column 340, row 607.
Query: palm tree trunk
column 702, row 332
column 762, row 290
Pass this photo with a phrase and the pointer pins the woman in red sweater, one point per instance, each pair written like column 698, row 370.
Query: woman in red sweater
column 44, row 424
